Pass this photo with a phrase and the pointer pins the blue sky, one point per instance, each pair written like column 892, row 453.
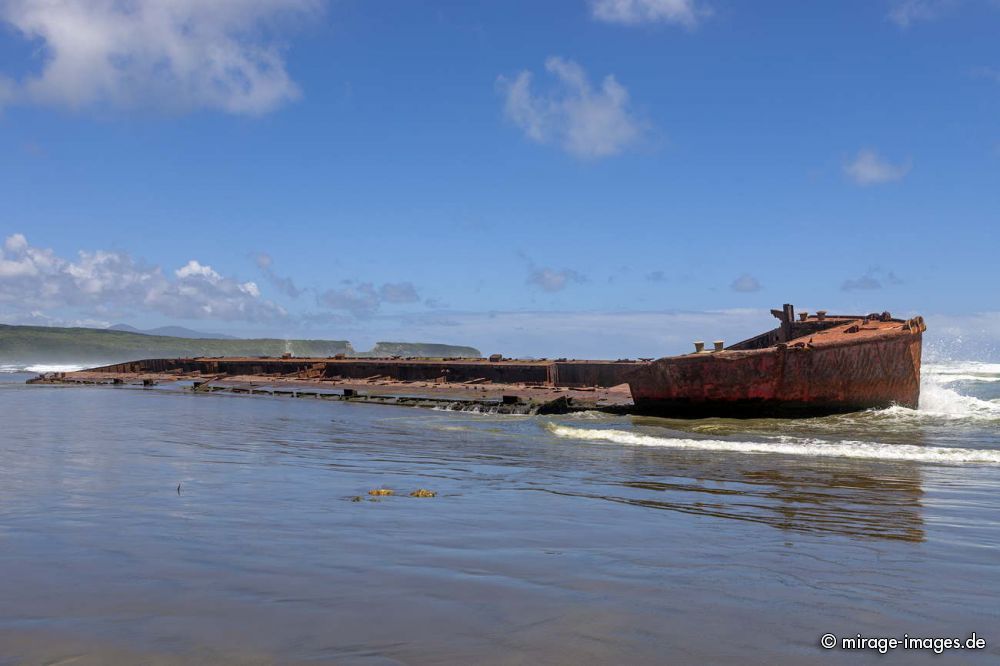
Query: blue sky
column 577, row 175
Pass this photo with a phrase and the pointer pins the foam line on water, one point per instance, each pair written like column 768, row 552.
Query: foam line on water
column 962, row 367
column 966, row 371
column 788, row 446
column 950, row 378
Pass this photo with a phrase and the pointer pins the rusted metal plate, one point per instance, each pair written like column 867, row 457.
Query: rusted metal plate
column 853, row 366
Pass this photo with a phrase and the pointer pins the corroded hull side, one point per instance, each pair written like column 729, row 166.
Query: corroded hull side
column 806, row 380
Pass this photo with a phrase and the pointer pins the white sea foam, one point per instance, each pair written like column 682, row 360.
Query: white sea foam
column 939, row 401
column 53, row 368
column 968, row 378
column 12, row 368
column 964, row 371
column 788, row 446
column 590, row 415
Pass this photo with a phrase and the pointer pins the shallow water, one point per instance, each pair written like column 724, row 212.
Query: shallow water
column 582, row 539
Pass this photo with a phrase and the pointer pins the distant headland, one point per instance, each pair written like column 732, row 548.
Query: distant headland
column 93, row 346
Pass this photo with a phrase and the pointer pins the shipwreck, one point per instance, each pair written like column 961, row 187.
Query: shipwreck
column 811, row 365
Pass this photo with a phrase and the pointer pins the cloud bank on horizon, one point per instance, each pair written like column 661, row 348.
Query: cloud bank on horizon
column 109, row 283
column 114, row 284
column 37, row 287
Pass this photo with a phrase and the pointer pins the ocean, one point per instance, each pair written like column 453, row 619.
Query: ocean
column 160, row 526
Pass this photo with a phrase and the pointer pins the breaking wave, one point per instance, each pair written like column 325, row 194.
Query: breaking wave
column 942, row 402
column 591, row 415
column 788, row 446
column 14, row 368
column 939, row 400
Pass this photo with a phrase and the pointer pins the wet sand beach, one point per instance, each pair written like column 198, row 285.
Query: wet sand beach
column 161, row 526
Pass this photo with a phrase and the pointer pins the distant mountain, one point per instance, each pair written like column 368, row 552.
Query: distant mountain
column 93, row 346
column 124, row 327
column 172, row 332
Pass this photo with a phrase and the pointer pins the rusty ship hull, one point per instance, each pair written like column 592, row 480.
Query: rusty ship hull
column 815, row 365
column 819, row 375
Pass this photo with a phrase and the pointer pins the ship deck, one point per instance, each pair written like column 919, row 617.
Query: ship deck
column 513, row 398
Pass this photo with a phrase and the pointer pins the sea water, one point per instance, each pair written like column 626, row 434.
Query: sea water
column 160, row 526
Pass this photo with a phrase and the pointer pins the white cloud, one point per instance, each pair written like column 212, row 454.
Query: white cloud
column 745, row 283
column 905, row 12
column 399, row 292
column 195, row 269
column 634, row 12
column 989, row 73
column 866, row 282
column 585, row 122
column 364, row 299
column 873, row 278
column 360, row 300
column 868, row 168
column 35, row 279
column 550, row 279
column 283, row 284
column 175, row 54
column 6, row 91
column 38, row 318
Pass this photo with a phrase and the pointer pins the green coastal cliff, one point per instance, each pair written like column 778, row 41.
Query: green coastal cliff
column 91, row 346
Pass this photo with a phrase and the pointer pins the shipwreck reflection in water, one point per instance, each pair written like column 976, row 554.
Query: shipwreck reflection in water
column 841, row 502
column 852, row 497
